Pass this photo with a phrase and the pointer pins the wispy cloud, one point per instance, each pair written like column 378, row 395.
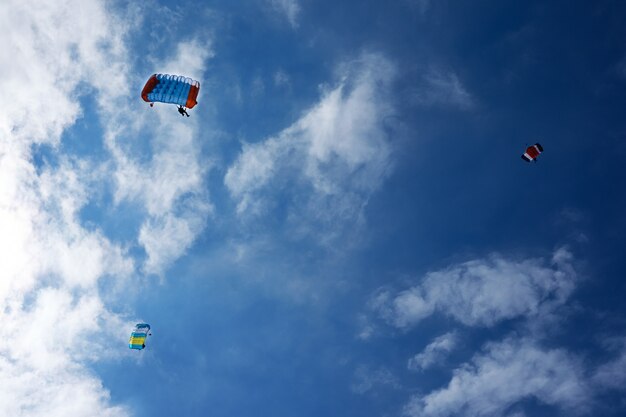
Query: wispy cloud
column 168, row 236
column 327, row 163
column 620, row 68
column 281, row 79
column 504, row 374
column 613, row 373
column 483, row 292
column 434, row 353
column 421, row 5
column 443, row 88
column 289, row 8
column 366, row 378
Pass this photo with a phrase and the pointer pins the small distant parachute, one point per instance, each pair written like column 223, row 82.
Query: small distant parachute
column 138, row 336
column 173, row 89
column 532, row 152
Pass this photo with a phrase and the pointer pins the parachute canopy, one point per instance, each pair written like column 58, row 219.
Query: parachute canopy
column 174, row 89
column 532, row 152
column 138, row 336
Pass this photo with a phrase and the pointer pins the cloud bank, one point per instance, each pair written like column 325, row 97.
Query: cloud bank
column 52, row 266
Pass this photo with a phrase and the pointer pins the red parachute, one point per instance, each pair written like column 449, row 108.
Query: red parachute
column 532, row 152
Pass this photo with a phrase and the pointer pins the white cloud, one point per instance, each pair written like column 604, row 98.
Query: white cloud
column 329, row 161
column 39, row 211
column 43, row 63
column 289, row 8
column 483, row 292
column 434, row 353
column 508, row 372
column 443, row 88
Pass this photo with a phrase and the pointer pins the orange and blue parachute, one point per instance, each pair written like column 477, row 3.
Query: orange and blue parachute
column 174, row 89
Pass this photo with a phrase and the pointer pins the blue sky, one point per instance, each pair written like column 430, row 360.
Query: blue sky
column 343, row 227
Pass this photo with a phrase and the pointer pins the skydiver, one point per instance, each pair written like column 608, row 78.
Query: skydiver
column 183, row 111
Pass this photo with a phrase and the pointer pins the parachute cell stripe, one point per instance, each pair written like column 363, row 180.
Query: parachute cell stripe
column 174, row 89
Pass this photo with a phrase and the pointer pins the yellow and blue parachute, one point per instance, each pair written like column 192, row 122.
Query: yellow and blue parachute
column 138, row 336
column 173, row 89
